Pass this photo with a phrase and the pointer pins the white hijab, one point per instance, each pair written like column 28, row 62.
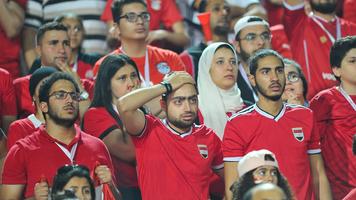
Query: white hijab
column 215, row 102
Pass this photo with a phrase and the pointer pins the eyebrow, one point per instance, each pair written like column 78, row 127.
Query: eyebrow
column 184, row 97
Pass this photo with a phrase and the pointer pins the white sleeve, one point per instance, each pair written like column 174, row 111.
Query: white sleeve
column 242, row 3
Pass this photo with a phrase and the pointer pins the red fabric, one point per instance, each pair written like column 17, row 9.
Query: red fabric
column 280, row 42
column 167, row 14
column 19, row 129
column 96, row 122
column 156, row 57
column 38, row 156
column 336, row 120
column 351, row 195
column 172, row 167
column 188, row 62
column 310, row 43
column 274, row 12
column 7, row 94
column 85, row 70
column 349, row 8
column 107, row 194
column 253, row 129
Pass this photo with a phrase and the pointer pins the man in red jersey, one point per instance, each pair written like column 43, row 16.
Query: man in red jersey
column 335, row 112
column 285, row 129
column 131, row 24
column 175, row 158
column 311, row 37
column 59, row 142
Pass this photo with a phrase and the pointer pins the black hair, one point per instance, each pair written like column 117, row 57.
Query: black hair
column 102, row 90
column 47, row 84
column 117, row 6
column 246, row 182
column 253, row 61
column 38, row 75
column 66, row 173
column 339, row 50
column 301, row 75
column 50, row 26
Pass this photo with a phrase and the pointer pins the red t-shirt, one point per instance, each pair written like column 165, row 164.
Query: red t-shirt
column 161, row 62
column 349, row 8
column 38, row 156
column 280, row 42
column 311, row 45
column 99, row 123
column 10, row 48
column 290, row 135
column 7, row 95
column 336, row 118
column 21, row 128
column 173, row 166
column 162, row 12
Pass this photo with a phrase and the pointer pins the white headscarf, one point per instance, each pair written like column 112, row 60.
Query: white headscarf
column 215, row 102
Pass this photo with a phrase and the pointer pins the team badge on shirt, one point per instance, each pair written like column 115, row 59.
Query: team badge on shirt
column 203, row 150
column 163, row 68
column 298, row 133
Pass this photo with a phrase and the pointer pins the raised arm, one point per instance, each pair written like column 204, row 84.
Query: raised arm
column 11, row 192
column 12, row 16
column 320, row 181
column 133, row 118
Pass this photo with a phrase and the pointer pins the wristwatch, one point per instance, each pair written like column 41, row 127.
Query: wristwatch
column 84, row 95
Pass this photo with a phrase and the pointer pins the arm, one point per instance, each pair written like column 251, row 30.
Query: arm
column 231, row 175
column 12, row 16
column 105, row 177
column 320, row 181
column 29, row 46
column 120, row 145
column 11, row 192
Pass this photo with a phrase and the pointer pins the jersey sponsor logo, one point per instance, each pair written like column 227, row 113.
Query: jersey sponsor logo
column 163, row 68
column 298, row 133
column 203, row 150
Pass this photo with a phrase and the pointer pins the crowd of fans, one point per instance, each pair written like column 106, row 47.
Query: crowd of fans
column 189, row 99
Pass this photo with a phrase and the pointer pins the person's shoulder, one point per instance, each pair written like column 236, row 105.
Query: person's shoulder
column 326, row 94
column 30, row 142
column 96, row 111
column 292, row 109
column 159, row 51
column 246, row 112
column 22, row 80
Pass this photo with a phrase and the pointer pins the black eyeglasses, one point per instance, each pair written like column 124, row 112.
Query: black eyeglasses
column 67, row 168
column 293, row 77
column 61, row 95
column 133, row 17
column 251, row 37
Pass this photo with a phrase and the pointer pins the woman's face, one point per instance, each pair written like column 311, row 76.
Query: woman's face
column 265, row 174
column 80, row 186
column 294, row 84
column 124, row 81
column 223, row 69
column 75, row 32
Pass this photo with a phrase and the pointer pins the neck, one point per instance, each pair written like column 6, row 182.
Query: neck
column 39, row 115
column 327, row 17
column 220, row 38
column 134, row 48
column 73, row 56
column 179, row 130
column 60, row 133
column 348, row 88
column 269, row 106
column 245, row 66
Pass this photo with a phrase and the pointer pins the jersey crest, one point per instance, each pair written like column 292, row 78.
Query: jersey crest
column 163, row 68
column 203, row 150
column 298, row 133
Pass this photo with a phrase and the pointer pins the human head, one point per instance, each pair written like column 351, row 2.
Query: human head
column 121, row 10
column 325, row 7
column 36, row 78
column 53, row 44
column 294, row 71
column 75, row 27
column 109, row 77
column 251, row 34
column 265, row 191
column 219, row 16
column 75, row 178
column 59, row 99
column 342, row 48
column 267, row 74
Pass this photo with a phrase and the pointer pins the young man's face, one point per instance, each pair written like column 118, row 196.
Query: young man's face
column 182, row 107
column 54, row 48
column 246, row 47
column 347, row 70
column 133, row 30
column 219, row 20
column 269, row 79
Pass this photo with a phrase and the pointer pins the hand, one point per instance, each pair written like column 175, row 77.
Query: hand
column 156, row 35
column 41, row 190
column 178, row 78
column 103, row 173
column 291, row 97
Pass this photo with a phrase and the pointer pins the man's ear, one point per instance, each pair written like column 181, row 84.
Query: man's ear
column 336, row 71
column 44, row 107
column 116, row 30
column 163, row 104
column 38, row 50
column 252, row 80
column 237, row 46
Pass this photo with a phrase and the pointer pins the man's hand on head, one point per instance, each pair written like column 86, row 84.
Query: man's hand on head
column 178, row 78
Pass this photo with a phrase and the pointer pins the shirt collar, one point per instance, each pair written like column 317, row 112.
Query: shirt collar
column 182, row 135
column 36, row 122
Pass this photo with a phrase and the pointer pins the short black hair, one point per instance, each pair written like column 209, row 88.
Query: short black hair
column 339, row 50
column 47, row 84
column 50, row 26
column 253, row 61
column 301, row 75
column 117, row 6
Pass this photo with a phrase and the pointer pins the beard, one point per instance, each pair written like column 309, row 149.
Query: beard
column 221, row 30
column 62, row 121
column 325, row 8
column 181, row 124
column 263, row 92
column 243, row 55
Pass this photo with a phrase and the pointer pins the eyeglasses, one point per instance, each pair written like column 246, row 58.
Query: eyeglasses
column 293, row 77
column 67, row 168
column 133, row 17
column 251, row 37
column 61, row 95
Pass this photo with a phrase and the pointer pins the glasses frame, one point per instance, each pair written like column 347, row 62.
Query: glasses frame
column 290, row 79
column 133, row 17
column 255, row 36
column 74, row 98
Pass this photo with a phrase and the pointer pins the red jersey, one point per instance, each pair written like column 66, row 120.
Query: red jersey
column 290, row 135
column 311, row 39
column 280, row 42
column 349, row 8
column 99, row 123
column 335, row 112
column 173, row 166
column 39, row 155
column 10, row 48
column 7, row 95
column 21, row 128
column 161, row 62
